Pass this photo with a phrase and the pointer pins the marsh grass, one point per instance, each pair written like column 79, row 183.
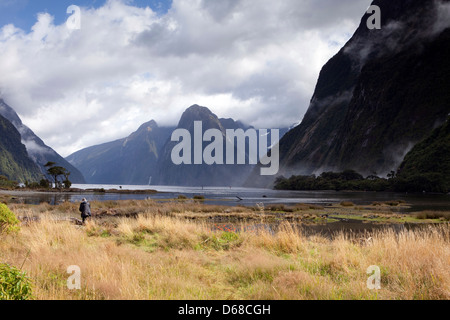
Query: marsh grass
column 158, row 255
column 347, row 204
column 442, row 215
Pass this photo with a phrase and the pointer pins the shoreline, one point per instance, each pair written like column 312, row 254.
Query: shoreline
column 346, row 214
column 153, row 191
column 75, row 190
column 372, row 211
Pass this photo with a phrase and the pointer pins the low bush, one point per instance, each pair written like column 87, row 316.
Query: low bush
column 5, row 183
column 8, row 221
column 201, row 198
column 224, row 241
column 14, row 284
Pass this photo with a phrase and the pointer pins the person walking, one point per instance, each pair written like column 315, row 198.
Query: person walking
column 85, row 209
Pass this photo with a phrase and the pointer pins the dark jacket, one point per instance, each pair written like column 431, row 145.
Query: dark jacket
column 85, row 209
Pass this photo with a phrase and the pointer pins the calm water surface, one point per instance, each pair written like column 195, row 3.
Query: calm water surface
column 242, row 196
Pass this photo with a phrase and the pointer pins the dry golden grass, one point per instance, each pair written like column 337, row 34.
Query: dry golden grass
column 175, row 208
column 157, row 256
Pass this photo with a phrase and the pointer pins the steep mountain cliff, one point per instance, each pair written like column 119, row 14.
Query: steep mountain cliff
column 15, row 163
column 202, row 174
column 38, row 151
column 126, row 161
column 385, row 91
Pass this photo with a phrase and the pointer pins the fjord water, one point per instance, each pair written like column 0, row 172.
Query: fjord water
column 232, row 196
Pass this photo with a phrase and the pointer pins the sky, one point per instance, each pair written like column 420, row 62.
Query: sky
column 132, row 61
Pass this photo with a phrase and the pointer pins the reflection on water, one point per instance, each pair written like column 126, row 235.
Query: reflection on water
column 37, row 198
column 240, row 196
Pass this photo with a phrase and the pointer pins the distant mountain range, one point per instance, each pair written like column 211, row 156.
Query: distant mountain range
column 384, row 92
column 36, row 151
column 132, row 160
column 145, row 156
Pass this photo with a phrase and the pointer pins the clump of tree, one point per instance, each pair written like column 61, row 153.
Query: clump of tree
column 5, row 183
column 59, row 174
column 42, row 184
column 346, row 180
column 421, row 182
column 60, row 178
column 351, row 180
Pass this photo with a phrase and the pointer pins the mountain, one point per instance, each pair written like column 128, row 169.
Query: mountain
column 38, row 151
column 381, row 94
column 15, row 163
column 429, row 160
column 146, row 156
column 131, row 160
column 202, row 174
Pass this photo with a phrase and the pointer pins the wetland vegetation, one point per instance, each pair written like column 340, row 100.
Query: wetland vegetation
column 172, row 250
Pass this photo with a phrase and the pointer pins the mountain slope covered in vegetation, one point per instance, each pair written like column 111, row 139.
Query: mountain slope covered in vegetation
column 15, row 164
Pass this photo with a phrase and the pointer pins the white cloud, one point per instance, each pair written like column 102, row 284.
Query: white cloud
column 33, row 148
column 443, row 16
column 256, row 61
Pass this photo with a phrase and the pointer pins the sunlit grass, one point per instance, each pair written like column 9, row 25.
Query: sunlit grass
column 157, row 254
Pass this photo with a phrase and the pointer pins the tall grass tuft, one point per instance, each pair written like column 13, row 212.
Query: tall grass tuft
column 442, row 215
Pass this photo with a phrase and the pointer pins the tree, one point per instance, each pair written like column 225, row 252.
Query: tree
column 44, row 183
column 351, row 175
column 391, row 175
column 49, row 164
column 67, row 182
column 57, row 171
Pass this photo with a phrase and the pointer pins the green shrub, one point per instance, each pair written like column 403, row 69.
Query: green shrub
column 44, row 183
column 8, row 221
column 224, row 241
column 14, row 284
column 32, row 185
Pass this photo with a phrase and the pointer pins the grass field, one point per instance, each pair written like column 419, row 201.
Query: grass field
column 143, row 250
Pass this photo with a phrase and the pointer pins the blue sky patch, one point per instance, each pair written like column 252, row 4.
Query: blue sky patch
column 23, row 13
